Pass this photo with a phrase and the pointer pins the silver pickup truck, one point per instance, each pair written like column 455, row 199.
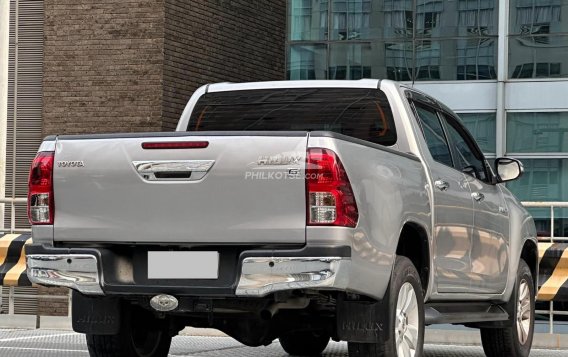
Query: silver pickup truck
column 301, row 211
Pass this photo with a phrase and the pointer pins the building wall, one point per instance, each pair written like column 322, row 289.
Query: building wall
column 219, row 41
column 113, row 66
column 103, row 66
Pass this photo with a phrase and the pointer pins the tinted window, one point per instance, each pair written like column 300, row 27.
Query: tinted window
column 467, row 159
column 360, row 113
column 434, row 134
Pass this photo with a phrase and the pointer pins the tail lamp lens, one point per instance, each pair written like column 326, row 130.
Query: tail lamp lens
column 40, row 189
column 331, row 201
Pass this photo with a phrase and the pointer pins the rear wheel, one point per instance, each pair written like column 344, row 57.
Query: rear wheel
column 304, row 343
column 514, row 340
column 141, row 335
column 406, row 317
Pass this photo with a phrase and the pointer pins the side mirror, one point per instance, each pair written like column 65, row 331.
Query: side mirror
column 508, row 169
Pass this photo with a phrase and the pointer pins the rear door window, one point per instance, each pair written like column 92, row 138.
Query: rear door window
column 360, row 113
column 433, row 134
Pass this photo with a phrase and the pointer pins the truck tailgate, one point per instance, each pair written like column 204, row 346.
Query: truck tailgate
column 238, row 190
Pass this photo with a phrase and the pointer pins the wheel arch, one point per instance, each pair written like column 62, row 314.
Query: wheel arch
column 419, row 254
column 529, row 254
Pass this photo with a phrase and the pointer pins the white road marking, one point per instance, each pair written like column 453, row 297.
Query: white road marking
column 41, row 349
column 34, row 337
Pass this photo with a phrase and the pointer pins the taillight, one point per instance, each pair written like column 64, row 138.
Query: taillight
column 40, row 189
column 329, row 194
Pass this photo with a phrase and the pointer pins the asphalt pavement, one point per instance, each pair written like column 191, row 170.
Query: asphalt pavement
column 56, row 343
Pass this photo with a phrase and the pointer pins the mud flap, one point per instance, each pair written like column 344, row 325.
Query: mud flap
column 362, row 321
column 95, row 315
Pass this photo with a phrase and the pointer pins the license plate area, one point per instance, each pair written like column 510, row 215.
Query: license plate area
column 183, row 265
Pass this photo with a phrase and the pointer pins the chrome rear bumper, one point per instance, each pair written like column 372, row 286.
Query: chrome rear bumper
column 76, row 271
column 261, row 276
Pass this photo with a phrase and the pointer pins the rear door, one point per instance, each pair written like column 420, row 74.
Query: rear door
column 239, row 189
column 453, row 207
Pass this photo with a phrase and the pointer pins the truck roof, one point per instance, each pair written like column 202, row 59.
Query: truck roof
column 362, row 83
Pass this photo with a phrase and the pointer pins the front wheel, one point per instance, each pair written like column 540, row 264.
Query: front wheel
column 406, row 321
column 514, row 340
column 141, row 335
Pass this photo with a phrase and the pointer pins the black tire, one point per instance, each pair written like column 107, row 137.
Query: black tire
column 141, row 335
column 498, row 342
column 304, row 343
column 403, row 272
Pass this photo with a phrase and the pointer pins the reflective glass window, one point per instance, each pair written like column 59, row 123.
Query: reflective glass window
column 477, row 17
column 482, row 127
column 434, row 134
column 460, row 59
column 537, row 132
column 543, row 180
column 350, row 19
column 398, row 19
column 307, row 62
column 537, row 17
column 307, row 20
column 404, row 40
column 350, row 61
column 538, row 56
column 399, row 60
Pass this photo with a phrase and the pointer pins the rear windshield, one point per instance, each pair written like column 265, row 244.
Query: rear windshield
column 361, row 113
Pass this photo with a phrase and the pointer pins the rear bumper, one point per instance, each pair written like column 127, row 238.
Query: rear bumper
column 243, row 273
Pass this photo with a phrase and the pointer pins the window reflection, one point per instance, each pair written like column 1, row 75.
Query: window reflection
column 404, row 40
column 537, row 132
column 543, row 180
column 477, row 17
column 535, row 48
column 399, row 61
column 529, row 17
column 350, row 19
column 307, row 20
column 350, row 61
column 307, row 62
column 538, row 57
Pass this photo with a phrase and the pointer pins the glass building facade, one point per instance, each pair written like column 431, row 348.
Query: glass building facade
column 501, row 65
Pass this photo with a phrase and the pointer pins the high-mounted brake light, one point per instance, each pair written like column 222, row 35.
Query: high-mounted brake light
column 40, row 189
column 331, row 201
column 175, row 145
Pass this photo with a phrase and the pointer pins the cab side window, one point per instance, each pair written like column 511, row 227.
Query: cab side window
column 467, row 158
column 433, row 134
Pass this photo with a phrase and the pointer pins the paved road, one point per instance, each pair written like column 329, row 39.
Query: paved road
column 50, row 343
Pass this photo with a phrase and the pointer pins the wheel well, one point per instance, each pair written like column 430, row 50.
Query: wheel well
column 413, row 244
column 530, row 255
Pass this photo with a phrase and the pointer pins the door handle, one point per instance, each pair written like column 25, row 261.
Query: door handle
column 168, row 170
column 478, row 196
column 442, row 185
